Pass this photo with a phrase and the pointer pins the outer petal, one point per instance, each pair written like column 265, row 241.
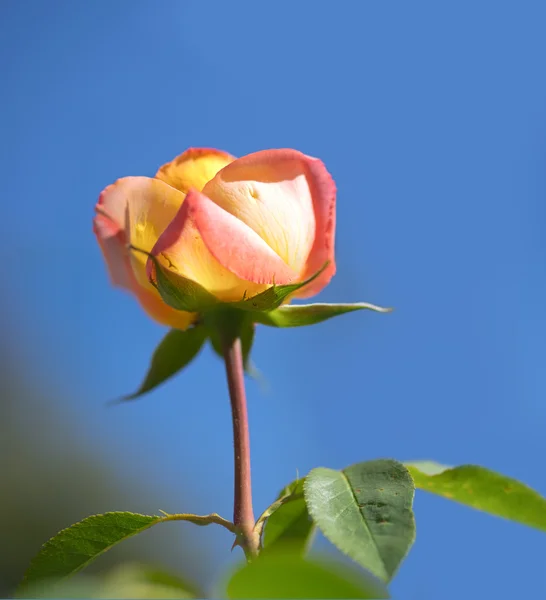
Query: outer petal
column 323, row 192
column 142, row 207
column 194, row 168
column 125, row 214
column 271, row 193
column 212, row 247
column 112, row 242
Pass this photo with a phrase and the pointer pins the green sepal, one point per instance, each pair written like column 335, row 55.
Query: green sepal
column 274, row 296
column 179, row 292
column 300, row 315
column 226, row 321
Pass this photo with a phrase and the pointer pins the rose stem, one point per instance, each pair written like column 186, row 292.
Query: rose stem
column 243, row 515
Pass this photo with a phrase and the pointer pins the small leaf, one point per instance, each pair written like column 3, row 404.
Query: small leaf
column 293, row 489
column 291, row 576
column 175, row 351
column 179, row 292
column 274, row 296
column 300, row 315
column 366, row 511
column 483, row 490
column 76, row 546
column 288, row 522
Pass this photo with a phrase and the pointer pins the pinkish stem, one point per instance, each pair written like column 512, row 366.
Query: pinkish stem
column 243, row 515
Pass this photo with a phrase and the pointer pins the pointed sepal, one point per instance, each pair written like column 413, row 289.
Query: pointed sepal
column 300, row 315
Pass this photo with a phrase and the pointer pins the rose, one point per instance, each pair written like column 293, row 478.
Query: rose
column 234, row 226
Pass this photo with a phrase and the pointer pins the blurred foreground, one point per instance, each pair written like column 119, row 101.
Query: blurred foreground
column 51, row 480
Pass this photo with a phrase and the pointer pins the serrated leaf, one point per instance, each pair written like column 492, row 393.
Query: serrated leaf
column 300, row 315
column 288, row 523
column 483, row 490
column 175, row 351
column 76, row 546
column 274, row 296
column 366, row 511
column 290, row 576
column 179, row 292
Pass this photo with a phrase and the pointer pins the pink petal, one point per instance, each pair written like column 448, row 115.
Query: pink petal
column 268, row 191
column 323, row 191
column 288, row 198
column 112, row 242
column 212, row 247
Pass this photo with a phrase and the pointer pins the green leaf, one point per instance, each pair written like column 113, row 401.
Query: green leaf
column 300, row 315
column 274, row 296
column 483, row 490
column 75, row 547
column 291, row 576
column 366, row 511
column 179, row 292
column 288, row 522
column 293, row 490
column 175, row 351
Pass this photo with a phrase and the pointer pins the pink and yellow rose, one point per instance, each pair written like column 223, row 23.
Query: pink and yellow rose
column 234, row 226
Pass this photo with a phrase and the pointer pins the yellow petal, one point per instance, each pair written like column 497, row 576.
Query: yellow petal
column 136, row 210
column 149, row 205
column 194, row 168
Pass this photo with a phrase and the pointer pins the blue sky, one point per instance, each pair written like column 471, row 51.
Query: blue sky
column 431, row 116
